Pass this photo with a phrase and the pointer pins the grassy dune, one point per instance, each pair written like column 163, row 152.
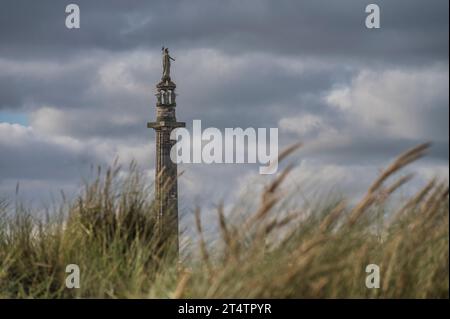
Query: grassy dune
column 110, row 234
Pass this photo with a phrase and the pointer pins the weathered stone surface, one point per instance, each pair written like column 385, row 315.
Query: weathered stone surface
column 166, row 186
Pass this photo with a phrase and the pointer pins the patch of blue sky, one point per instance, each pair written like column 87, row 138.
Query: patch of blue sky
column 14, row 117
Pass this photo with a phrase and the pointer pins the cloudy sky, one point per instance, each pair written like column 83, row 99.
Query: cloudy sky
column 356, row 97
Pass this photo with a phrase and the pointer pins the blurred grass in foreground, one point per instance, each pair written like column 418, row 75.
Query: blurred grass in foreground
column 109, row 233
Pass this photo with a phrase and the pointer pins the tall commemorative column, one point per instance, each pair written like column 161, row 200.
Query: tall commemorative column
column 166, row 186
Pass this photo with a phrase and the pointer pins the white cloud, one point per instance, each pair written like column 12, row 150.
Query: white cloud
column 399, row 103
column 44, row 163
column 440, row 172
column 303, row 124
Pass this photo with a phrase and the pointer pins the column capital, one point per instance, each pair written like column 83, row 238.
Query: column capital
column 163, row 124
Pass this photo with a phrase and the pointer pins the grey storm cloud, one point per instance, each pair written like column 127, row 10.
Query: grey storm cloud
column 25, row 156
column 311, row 68
column 411, row 29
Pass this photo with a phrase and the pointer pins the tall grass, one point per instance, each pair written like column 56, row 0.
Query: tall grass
column 109, row 232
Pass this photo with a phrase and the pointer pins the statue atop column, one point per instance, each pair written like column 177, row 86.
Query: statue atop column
column 166, row 64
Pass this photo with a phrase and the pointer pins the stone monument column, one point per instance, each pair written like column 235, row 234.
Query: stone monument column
column 166, row 186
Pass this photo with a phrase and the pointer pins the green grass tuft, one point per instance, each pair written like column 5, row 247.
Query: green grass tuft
column 109, row 232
